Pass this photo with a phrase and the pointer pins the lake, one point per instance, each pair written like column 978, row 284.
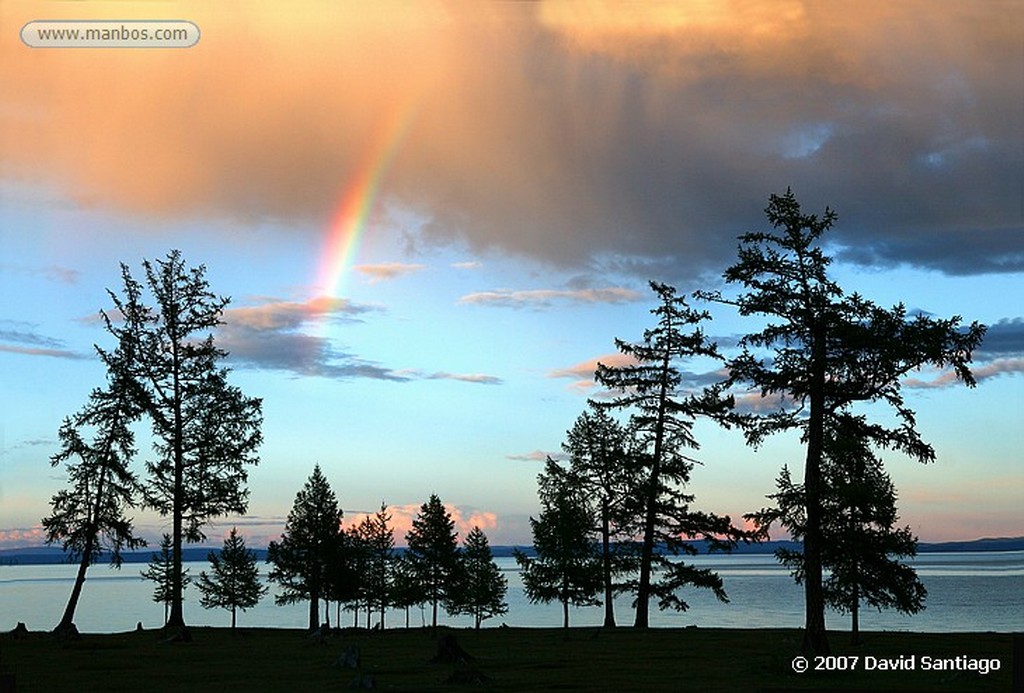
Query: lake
column 967, row 592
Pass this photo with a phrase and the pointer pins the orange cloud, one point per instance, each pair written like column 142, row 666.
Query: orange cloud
column 387, row 270
column 563, row 130
column 22, row 536
column 583, row 372
column 402, row 517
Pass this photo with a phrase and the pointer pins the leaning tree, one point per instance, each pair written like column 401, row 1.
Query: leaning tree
column 822, row 352
column 89, row 517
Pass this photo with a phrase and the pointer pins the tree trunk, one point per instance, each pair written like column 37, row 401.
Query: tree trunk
column 68, row 618
column 643, row 592
column 232, row 619
column 565, row 613
column 606, row 558
column 314, row 609
column 177, row 617
column 433, row 623
column 815, row 637
column 855, row 609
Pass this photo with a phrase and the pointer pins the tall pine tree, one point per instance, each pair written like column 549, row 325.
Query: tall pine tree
column 302, row 559
column 823, row 352
column 206, row 430
column 433, row 553
column 663, row 420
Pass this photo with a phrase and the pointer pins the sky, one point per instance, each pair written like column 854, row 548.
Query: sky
column 434, row 219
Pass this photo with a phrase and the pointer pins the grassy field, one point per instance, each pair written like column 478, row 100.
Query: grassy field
column 504, row 659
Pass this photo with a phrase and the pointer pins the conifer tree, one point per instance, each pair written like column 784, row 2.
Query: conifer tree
column 89, row 517
column 206, row 430
column 567, row 566
column 863, row 547
column 481, row 589
column 161, row 571
column 303, row 557
column 346, row 572
column 662, row 422
column 235, row 580
column 825, row 352
column 406, row 589
column 377, row 540
column 433, row 553
column 607, row 474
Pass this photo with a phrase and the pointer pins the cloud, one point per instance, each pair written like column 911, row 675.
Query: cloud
column 1004, row 338
column 402, row 516
column 631, row 135
column 277, row 314
column 269, row 335
column 387, row 270
column 467, row 265
column 57, row 273
column 538, row 456
column 992, row 369
column 544, row 298
column 28, row 342
column 275, row 334
column 479, row 378
column 18, row 537
column 583, row 373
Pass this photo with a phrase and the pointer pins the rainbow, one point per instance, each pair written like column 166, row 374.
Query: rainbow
column 348, row 223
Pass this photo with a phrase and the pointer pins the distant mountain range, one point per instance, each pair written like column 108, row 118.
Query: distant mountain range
column 46, row 555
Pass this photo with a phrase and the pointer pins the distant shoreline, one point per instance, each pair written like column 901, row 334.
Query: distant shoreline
column 47, row 555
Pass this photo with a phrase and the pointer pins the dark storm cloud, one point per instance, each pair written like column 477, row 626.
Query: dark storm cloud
column 642, row 140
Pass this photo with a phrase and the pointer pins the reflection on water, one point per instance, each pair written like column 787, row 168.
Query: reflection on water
column 977, row 591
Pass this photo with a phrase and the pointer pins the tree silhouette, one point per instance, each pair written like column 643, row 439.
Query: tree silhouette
column 235, row 580
column 406, row 589
column 567, row 568
column 861, row 544
column 433, row 553
column 206, row 430
column 825, row 352
column 346, row 572
column 607, row 475
column 377, row 541
column 308, row 547
column 663, row 428
column 161, row 571
column 89, row 517
column 480, row 591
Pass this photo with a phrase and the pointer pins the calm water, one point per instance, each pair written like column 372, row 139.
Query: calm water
column 975, row 591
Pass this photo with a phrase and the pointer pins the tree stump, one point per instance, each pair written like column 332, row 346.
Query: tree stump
column 20, row 630
column 449, row 651
column 349, row 659
column 67, row 633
